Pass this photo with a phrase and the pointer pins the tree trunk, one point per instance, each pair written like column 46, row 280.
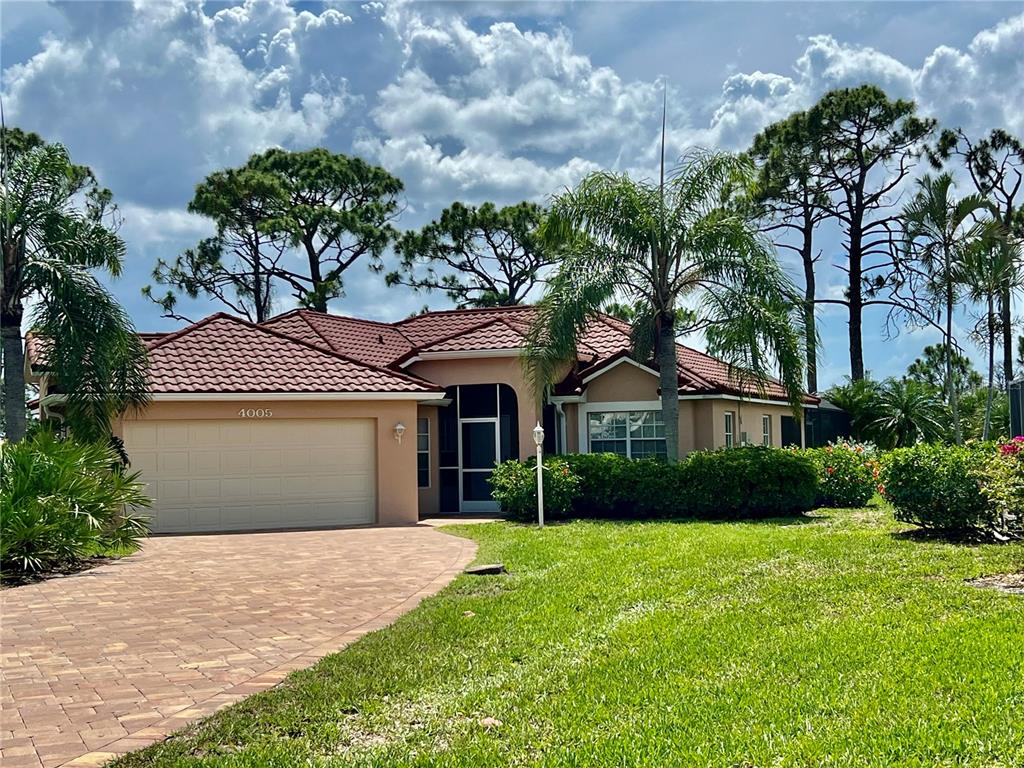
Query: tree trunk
column 810, row 330
column 954, row 403
column 669, row 380
column 318, row 296
column 14, row 372
column 1006, row 320
column 856, row 307
column 991, row 367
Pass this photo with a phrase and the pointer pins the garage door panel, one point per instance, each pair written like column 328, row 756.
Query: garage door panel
column 242, row 475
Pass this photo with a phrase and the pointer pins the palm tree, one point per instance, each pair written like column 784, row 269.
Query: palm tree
column 908, row 412
column 939, row 229
column 49, row 247
column 987, row 269
column 656, row 246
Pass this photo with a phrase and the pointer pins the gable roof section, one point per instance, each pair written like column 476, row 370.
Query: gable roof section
column 379, row 344
column 226, row 355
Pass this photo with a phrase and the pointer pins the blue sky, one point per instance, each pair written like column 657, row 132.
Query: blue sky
column 472, row 101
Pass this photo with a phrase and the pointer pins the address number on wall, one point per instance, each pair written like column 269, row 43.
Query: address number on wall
column 255, row 413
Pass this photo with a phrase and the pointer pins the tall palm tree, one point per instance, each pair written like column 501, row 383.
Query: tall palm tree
column 939, row 229
column 657, row 245
column 49, row 248
column 987, row 269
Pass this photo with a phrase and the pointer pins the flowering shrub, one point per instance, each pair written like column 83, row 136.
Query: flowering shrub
column 514, row 487
column 848, row 474
column 1002, row 483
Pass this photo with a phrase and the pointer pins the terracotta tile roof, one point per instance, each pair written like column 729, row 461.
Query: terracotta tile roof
column 431, row 327
column 223, row 354
column 495, row 334
column 379, row 344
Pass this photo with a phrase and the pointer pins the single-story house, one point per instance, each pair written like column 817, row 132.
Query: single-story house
column 314, row 420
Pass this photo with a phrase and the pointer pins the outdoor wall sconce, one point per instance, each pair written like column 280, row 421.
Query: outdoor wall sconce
column 399, row 431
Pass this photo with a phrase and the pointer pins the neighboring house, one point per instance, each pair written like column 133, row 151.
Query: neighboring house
column 314, row 420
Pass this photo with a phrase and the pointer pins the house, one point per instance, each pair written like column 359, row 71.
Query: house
column 313, row 420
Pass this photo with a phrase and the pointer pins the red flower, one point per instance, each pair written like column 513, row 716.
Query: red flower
column 830, row 470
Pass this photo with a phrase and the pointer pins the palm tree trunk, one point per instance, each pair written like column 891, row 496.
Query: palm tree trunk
column 14, row 373
column 991, row 366
column 951, row 389
column 669, row 380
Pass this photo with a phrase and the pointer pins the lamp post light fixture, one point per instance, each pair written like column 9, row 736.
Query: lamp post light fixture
column 399, row 431
column 538, row 438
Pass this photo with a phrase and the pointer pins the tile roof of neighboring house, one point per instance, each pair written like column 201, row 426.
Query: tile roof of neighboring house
column 223, row 354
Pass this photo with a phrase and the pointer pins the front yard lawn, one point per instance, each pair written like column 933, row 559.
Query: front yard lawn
column 830, row 641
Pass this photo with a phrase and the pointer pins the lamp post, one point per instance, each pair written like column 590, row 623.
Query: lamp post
column 538, row 438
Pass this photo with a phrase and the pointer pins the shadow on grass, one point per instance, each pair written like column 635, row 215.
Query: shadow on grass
column 624, row 520
column 961, row 536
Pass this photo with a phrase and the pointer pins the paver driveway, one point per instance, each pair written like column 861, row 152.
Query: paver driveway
column 114, row 658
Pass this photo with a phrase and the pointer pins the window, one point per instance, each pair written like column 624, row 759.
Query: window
column 730, row 429
column 766, row 429
column 423, row 452
column 635, row 434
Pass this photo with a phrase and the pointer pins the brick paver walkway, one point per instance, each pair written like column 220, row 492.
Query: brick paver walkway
column 111, row 659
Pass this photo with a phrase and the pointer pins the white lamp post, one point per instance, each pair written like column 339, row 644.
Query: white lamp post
column 538, row 438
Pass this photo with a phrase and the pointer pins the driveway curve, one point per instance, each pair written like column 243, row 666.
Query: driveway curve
column 114, row 658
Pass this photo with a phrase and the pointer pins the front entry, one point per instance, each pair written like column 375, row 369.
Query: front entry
column 478, row 430
column 480, row 452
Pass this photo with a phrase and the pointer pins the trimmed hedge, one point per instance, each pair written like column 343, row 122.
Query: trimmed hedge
column 936, row 486
column 746, row 482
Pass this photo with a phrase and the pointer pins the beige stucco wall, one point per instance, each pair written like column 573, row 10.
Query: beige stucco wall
column 748, row 420
column 487, row 370
column 397, row 497
column 701, row 421
column 430, row 498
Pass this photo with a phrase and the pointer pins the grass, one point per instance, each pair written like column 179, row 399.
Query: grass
column 828, row 641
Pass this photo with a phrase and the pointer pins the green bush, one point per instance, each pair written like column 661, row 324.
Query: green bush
column 848, row 474
column 936, row 486
column 729, row 483
column 62, row 501
column 751, row 481
column 514, row 487
column 1001, row 479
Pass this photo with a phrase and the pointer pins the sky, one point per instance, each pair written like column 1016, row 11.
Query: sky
column 474, row 101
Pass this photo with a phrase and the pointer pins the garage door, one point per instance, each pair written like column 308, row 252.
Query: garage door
column 252, row 474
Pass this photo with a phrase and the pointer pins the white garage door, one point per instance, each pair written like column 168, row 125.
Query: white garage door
column 252, row 474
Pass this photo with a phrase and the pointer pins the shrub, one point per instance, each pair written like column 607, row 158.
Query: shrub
column 729, row 483
column 936, row 486
column 514, row 487
column 751, row 481
column 62, row 501
column 848, row 474
column 1001, row 479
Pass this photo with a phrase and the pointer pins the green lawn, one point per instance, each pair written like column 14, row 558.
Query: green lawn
column 826, row 641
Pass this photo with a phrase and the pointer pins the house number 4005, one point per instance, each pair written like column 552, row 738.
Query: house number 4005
column 255, row 413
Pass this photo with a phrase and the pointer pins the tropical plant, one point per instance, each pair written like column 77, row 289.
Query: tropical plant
column 487, row 256
column 50, row 247
column 939, row 231
column 1002, row 482
column 986, row 270
column 514, row 487
column 657, row 245
column 62, row 501
column 995, row 166
column 908, row 412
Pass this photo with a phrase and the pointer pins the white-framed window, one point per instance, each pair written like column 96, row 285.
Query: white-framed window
column 766, row 429
column 730, row 429
column 635, row 434
column 423, row 452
